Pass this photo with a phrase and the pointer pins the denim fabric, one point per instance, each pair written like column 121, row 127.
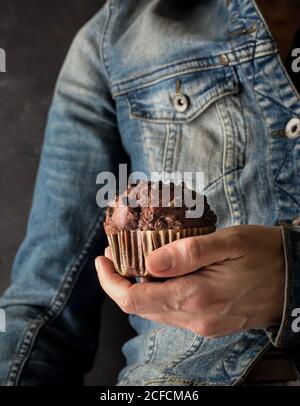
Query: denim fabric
column 113, row 104
column 283, row 335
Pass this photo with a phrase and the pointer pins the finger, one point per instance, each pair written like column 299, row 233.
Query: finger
column 114, row 284
column 151, row 297
column 107, row 253
column 189, row 254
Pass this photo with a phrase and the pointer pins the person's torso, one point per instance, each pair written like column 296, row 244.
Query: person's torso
column 199, row 87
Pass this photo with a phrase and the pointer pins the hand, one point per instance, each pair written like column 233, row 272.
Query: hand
column 221, row 283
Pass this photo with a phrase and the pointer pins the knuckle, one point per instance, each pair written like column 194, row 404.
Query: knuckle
column 192, row 250
column 206, row 328
column 237, row 237
column 191, row 305
column 191, row 301
column 183, row 296
column 177, row 305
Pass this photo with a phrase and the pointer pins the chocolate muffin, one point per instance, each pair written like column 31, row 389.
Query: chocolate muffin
column 147, row 216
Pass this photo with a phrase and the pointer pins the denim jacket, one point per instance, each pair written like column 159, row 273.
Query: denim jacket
column 238, row 121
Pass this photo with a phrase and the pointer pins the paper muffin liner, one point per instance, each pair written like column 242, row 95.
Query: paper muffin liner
column 130, row 248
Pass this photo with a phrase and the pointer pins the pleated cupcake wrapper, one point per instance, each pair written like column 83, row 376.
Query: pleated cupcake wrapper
column 130, row 248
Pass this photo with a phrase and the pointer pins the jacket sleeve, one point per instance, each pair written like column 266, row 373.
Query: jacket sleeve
column 52, row 305
column 287, row 335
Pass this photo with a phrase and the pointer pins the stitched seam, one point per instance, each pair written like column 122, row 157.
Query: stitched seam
column 278, row 133
column 231, row 161
column 222, row 176
column 104, row 42
column 280, row 167
column 196, row 344
column 182, row 72
column 190, row 118
column 228, row 78
column 169, row 76
column 244, row 31
column 170, row 148
column 150, row 356
column 55, row 308
column 144, row 134
column 288, row 194
column 224, row 161
column 276, row 102
column 178, row 137
column 245, row 142
column 204, row 66
column 166, row 148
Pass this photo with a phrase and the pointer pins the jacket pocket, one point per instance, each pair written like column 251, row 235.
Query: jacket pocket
column 160, row 102
column 184, row 122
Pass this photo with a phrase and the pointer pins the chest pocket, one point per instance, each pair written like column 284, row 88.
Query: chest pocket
column 182, row 98
column 180, row 122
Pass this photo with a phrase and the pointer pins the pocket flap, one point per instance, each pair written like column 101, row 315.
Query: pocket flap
column 157, row 102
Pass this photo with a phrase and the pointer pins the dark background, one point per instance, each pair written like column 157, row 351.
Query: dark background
column 36, row 35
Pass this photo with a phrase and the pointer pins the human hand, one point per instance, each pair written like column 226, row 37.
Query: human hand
column 222, row 283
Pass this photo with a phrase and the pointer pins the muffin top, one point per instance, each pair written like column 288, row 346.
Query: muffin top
column 152, row 206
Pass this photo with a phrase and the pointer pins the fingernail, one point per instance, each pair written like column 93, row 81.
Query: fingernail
column 160, row 261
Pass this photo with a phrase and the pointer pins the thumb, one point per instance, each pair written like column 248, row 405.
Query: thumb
column 189, row 254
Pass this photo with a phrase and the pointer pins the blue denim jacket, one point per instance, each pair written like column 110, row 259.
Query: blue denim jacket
column 113, row 103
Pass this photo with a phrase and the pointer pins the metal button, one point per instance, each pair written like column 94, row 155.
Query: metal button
column 224, row 60
column 292, row 129
column 181, row 102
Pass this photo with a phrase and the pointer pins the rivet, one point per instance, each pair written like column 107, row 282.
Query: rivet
column 224, row 60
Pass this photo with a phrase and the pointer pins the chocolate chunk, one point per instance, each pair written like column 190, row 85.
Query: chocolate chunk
column 153, row 206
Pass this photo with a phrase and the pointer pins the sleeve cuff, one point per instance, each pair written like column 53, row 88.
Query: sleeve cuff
column 287, row 335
